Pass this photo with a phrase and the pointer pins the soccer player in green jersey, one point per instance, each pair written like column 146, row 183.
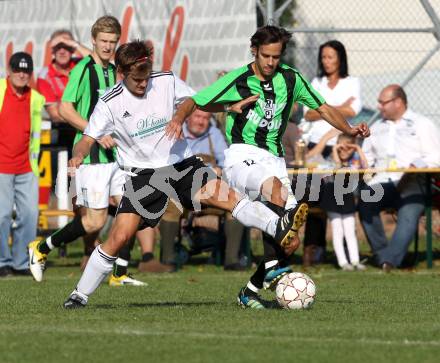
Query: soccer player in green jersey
column 254, row 162
column 100, row 177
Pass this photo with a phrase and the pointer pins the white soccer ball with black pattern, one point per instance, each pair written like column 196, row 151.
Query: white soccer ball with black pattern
column 296, row 291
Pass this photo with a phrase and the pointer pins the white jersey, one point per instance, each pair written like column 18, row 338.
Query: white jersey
column 137, row 124
column 345, row 89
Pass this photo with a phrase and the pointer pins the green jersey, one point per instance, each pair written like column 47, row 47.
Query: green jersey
column 87, row 82
column 261, row 124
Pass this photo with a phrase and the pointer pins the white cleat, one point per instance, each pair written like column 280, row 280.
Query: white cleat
column 37, row 261
column 125, row 280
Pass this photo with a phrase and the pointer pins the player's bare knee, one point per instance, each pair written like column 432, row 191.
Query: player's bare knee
column 119, row 237
column 92, row 225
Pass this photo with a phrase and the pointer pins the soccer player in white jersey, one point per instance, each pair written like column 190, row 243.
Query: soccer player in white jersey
column 99, row 178
column 135, row 112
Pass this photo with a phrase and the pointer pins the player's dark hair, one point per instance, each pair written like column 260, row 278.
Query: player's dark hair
column 134, row 58
column 342, row 57
column 270, row 34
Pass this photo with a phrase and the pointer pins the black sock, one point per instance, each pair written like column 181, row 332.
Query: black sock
column 258, row 277
column 147, row 256
column 272, row 251
column 249, row 292
column 70, row 232
column 111, row 210
column 124, row 254
column 119, row 270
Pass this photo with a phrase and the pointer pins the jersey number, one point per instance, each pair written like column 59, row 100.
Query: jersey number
column 249, row 162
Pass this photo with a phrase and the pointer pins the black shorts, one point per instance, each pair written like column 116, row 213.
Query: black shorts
column 147, row 193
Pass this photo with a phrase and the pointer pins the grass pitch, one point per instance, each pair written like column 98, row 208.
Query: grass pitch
column 192, row 316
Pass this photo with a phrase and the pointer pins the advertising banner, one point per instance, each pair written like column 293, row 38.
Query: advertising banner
column 194, row 38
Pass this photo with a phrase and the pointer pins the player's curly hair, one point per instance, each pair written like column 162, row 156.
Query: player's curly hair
column 269, row 34
column 134, row 58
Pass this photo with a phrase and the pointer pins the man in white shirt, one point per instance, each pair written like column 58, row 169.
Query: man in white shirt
column 136, row 113
column 401, row 139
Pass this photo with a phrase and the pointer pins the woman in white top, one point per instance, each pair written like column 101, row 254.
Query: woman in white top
column 342, row 92
column 338, row 88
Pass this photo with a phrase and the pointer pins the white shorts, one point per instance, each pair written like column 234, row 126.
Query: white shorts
column 247, row 167
column 95, row 183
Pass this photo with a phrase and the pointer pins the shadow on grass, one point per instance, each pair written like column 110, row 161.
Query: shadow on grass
column 164, row 304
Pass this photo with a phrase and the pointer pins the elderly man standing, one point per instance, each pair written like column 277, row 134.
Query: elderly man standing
column 401, row 139
column 20, row 124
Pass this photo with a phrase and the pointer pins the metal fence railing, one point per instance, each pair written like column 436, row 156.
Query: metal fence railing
column 394, row 41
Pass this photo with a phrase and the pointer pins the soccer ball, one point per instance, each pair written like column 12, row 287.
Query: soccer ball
column 296, row 291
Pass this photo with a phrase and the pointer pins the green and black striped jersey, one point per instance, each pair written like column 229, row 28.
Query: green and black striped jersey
column 261, row 124
column 87, row 82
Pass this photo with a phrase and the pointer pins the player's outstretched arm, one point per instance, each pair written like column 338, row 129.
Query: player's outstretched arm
column 233, row 107
column 239, row 106
column 186, row 108
column 81, row 150
column 174, row 127
column 335, row 118
column 68, row 113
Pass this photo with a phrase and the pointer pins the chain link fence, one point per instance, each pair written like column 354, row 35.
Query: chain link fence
column 391, row 41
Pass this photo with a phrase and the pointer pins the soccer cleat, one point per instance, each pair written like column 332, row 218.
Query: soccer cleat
column 75, row 301
column 125, row 280
column 37, row 261
column 249, row 301
column 360, row 267
column 274, row 275
column 347, row 267
column 290, row 223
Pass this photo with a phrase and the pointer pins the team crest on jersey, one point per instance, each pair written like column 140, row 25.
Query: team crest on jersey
column 269, row 109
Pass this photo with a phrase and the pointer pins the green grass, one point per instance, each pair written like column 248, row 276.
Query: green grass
column 192, row 316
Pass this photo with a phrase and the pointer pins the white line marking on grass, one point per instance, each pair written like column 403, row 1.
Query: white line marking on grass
column 208, row 336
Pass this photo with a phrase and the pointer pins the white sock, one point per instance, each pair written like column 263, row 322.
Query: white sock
column 256, row 214
column 338, row 237
column 349, row 224
column 291, row 201
column 269, row 264
column 121, row 262
column 99, row 266
column 252, row 287
column 49, row 243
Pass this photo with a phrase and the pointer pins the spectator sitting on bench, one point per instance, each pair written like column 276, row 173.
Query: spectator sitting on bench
column 207, row 142
column 401, row 139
